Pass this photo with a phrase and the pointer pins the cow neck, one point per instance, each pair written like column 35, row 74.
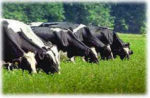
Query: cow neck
column 29, row 41
column 32, row 37
column 92, row 40
column 117, row 42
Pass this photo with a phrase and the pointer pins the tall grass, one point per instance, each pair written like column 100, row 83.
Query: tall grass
column 107, row 77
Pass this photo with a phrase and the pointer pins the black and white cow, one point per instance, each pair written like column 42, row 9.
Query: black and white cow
column 22, row 47
column 107, row 36
column 66, row 41
column 83, row 34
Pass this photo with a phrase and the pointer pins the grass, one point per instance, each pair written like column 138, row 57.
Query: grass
column 108, row 77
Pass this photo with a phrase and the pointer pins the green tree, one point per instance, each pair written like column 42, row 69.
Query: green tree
column 99, row 14
column 14, row 11
column 75, row 12
column 32, row 12
column 129, row 17
column 89, row 13
column 45, row 12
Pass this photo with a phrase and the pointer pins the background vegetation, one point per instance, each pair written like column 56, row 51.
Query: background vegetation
column 122, row 17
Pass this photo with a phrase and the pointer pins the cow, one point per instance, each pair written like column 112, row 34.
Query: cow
column 22, row 47
column 66, row 41
column 108, row 36
column 83, row 33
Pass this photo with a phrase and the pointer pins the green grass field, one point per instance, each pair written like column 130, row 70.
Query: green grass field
column 108, row 77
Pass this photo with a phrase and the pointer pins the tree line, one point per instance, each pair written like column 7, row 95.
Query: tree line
column 122, row 17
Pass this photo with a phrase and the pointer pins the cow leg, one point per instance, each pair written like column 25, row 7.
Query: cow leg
column 112, row 56
column 31, row 59
column 59, row 68
column 83, row 59
column 72, row 59
column 8, row 66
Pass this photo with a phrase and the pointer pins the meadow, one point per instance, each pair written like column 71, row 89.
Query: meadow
column 107, row 77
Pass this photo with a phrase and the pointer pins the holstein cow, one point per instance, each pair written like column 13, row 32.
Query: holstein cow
column 83, row 34
column 22, row 47
column 107, row 36
column 66, row 41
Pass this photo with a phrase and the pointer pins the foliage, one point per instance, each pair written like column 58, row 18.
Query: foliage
column 75, row 12
column 123, row 17
column 129, row 17
column 41, row 12
column 107, row 77
column 99, row 14
column 14, row 11
column 89, row 13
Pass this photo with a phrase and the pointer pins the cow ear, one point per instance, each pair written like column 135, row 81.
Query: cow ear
column 105, row 47
column 131, row 52
column 126, row 44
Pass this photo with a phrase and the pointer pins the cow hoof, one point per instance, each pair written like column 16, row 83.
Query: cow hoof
column 34, row 72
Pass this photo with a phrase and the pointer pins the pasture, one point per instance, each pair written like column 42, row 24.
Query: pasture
column 107, row 77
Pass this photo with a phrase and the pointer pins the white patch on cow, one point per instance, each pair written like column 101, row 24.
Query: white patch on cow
column 9, row 65
column 108, row 46
column 52, row 55
column 94, row 51
column 31, row 35
column 14, row 25
column 72, row 59
column 126, row 50
column 56, row 29
column 17, row 26
column 57, row 54
column 35, row 23
column 78, row 28
column 53, row 52
column 31, row 59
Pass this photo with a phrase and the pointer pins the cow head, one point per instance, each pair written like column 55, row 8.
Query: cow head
column 124, row 51
column 107, row 53
column 91, row 57
column 48, row 60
